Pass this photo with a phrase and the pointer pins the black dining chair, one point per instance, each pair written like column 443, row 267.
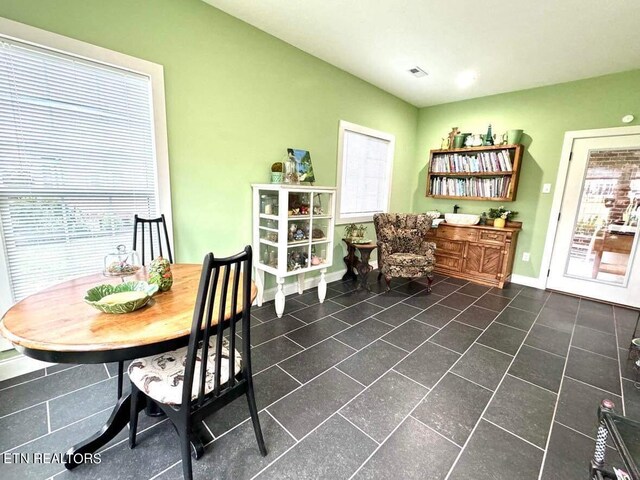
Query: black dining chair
column 160, row 235
column 148, row 224
column 192, row 382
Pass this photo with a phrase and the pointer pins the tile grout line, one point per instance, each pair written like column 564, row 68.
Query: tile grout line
column 351, row 377
column 615, row 331
column 511, row 326
column 493, row 348
column 555, row 408
column 515, row 435
column 119, row 443
column 56, row 430
column 352, row 399
column 295, row 440
column 480, row 418
column 165, row 470
column 48, row 417
column 589, row 351
column 471, row 381
column 340, row 414
column 409, row 378
column 37, row 378
column 389, row 343
column 427, row 394
column 592, row 386
column 547, row 351
column 297, row 381
column 435, row 431
column 577, row 431
column 345, row 344
column 322, row 318
column 533, row 384
column 301, row 346
column 55, row 398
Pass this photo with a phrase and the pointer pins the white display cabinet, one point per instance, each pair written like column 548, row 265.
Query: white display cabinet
column 292, row 234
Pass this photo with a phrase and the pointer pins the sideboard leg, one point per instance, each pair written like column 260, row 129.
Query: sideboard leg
column 322, row 286
column 280, row 296
column 260, row 286
column 301, row 283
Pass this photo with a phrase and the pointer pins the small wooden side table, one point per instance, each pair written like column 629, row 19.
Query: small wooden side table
column 360, row 264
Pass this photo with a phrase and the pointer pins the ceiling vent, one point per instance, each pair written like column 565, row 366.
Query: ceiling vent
column 417, row 72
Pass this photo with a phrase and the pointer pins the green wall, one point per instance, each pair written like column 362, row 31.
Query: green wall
column 236, row 98
column 545, row 114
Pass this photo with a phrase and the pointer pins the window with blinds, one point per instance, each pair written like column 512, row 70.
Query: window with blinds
column 364, row 172
column 76, row 163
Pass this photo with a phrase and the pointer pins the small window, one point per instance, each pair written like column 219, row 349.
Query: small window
column 365, row 163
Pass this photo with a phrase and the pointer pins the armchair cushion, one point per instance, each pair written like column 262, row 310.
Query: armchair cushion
column 403, row 250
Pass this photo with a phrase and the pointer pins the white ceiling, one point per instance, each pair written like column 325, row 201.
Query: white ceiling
column 511, row 44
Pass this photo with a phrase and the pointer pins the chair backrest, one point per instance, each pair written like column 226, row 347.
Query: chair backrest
column 224, row 297
column 159, row 238
column 403, row 232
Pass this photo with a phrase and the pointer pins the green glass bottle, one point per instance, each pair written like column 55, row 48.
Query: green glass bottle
column 488, row 139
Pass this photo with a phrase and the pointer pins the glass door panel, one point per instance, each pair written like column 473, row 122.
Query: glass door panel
column 604, row 234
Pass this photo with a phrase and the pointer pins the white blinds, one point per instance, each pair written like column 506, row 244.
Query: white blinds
column 76, row 163
column 365, row 175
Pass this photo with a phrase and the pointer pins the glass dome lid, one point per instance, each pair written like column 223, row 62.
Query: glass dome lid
column 122, row 262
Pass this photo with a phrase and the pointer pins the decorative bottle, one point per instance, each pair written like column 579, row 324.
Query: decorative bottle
column 488, row 139
column 160, row 273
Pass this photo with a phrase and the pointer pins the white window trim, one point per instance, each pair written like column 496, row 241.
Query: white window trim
column 92, row 53
column 353, row 127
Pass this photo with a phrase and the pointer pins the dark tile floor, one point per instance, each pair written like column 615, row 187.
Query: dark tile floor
column 464, row 383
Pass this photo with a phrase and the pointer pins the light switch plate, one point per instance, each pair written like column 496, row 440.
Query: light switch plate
column 526, row 256
column 546, row 188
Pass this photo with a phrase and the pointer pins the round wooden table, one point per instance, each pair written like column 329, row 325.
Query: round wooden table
column 56, row 325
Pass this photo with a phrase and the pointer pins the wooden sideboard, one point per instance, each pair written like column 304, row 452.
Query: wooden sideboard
column 480, row 253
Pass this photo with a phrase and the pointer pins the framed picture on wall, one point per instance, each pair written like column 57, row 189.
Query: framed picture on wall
column 303, row 164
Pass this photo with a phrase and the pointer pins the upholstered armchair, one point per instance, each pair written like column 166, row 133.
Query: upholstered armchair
column 403, row 250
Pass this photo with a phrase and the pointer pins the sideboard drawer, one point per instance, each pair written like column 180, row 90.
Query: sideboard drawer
column 449, row 246
column 454, row 233
column 492, row 236
column 448, row 263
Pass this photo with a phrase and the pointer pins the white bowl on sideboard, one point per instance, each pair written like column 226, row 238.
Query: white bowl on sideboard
column 461, row 218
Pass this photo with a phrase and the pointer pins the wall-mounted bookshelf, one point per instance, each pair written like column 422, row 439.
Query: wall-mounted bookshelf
column 475, row 173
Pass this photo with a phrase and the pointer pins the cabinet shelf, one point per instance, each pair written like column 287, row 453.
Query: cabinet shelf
column 500, row 180
column 281, row 257
column 470, row 174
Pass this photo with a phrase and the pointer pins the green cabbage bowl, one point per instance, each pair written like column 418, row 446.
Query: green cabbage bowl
column 97, row 293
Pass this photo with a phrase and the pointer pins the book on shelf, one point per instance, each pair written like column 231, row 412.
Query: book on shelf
column 497, row 187
column 481, row 162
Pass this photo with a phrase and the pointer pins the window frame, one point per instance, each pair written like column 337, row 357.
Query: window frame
column 345, row 126
column 54, row 42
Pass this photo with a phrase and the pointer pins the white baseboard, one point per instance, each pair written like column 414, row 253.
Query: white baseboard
column 311, row 282
column 19, row 366
column 528, row 281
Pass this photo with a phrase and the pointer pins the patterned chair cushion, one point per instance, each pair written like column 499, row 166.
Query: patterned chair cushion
column 409, row 260
column 162, row 376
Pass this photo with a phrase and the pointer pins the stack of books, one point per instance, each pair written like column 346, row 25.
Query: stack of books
column 495, row 161
column 471, row 187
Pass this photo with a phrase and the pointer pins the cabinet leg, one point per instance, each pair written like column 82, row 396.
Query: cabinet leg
column 260, row 286
column 280, row 296
column 301, row 283
column 322, row 286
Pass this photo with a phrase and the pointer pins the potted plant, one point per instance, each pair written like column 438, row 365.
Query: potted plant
column 501, row 215
column 276, row 172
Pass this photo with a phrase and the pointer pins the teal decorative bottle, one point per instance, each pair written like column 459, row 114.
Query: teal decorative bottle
column 488, row 138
